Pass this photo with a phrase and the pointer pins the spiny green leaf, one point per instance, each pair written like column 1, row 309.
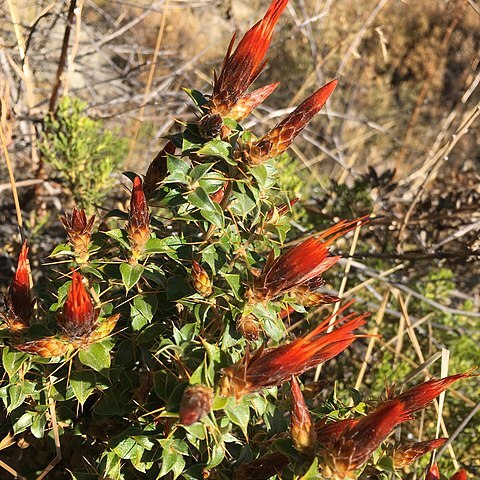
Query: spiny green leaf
column 83, row 383
column 131, row 274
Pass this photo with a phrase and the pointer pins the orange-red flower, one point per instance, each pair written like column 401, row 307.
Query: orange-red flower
column 356, row 445
column 406, row 454
column 301, row 427
column 270, row 367
column 419, row 396
column 303, row 264
column 460, row 475
column 138, row 227
column 18, row 300
column 240, row 68
column 196, row 402
column 327, row 433
column 79, row 231
column 433, row 473
column 280, row 137
column 157, row 170
column 78, row 318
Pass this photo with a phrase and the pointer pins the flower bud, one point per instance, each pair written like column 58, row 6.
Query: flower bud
column 45, row 347
column 200, row 280
column 78, row 318
column 79, row 231
column 18, row 300
column 407, row 454
column 301, row 429
column 433, row 473
column 210, row 126
column 460, row 475
column 248, row 326
column 138, row 226
column 196, row 402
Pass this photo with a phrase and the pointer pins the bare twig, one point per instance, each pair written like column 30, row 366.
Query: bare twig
column 63, row 57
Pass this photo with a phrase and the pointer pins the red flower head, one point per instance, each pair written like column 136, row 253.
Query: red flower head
column 357, row 444
column 433, row 473
column 327, row 433
column 420, row 396
column 460, row 475
column 79, row 231
column 240, row 68
column 301, row 429
column 279, row 139
column 406, row 454
column 18, row 301
column 138, row 227
column 78, row 318
column 301, row 265
column 196, row 402
column 271, row 367
column 157, row 170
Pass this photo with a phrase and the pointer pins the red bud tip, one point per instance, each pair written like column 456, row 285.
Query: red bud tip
column 241, row 67
column 78, row 318
column 302, row 431
column 18, row 300
column 433, row 473
column 460, row 475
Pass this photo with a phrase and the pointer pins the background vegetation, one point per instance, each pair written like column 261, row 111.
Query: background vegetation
column 400, row 138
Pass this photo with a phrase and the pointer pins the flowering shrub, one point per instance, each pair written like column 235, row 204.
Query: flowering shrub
column 169, row 350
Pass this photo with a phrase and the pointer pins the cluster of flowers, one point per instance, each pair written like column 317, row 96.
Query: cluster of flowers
column 344, row 446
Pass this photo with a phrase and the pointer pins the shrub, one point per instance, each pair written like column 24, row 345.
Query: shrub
column 170, row 351
column 82, row 151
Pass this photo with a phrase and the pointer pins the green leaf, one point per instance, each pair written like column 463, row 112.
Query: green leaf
column 110, row 466
column 233, row 280
column 158, row 245
column 23, row 423
column 209, row 210
column 178, row 170
column 172, row 457
column 216, row 455
column 38, row 425
column 17, row 396
column 197, row 172
column 217, row 148
column 196, row 96
column 312, row 472
column 131, row 274
column 239, row 414
column 97, row 356
column 120, row 236
column 62, row 249
column 83, row 383
column 12, row 360
column 146, row 305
